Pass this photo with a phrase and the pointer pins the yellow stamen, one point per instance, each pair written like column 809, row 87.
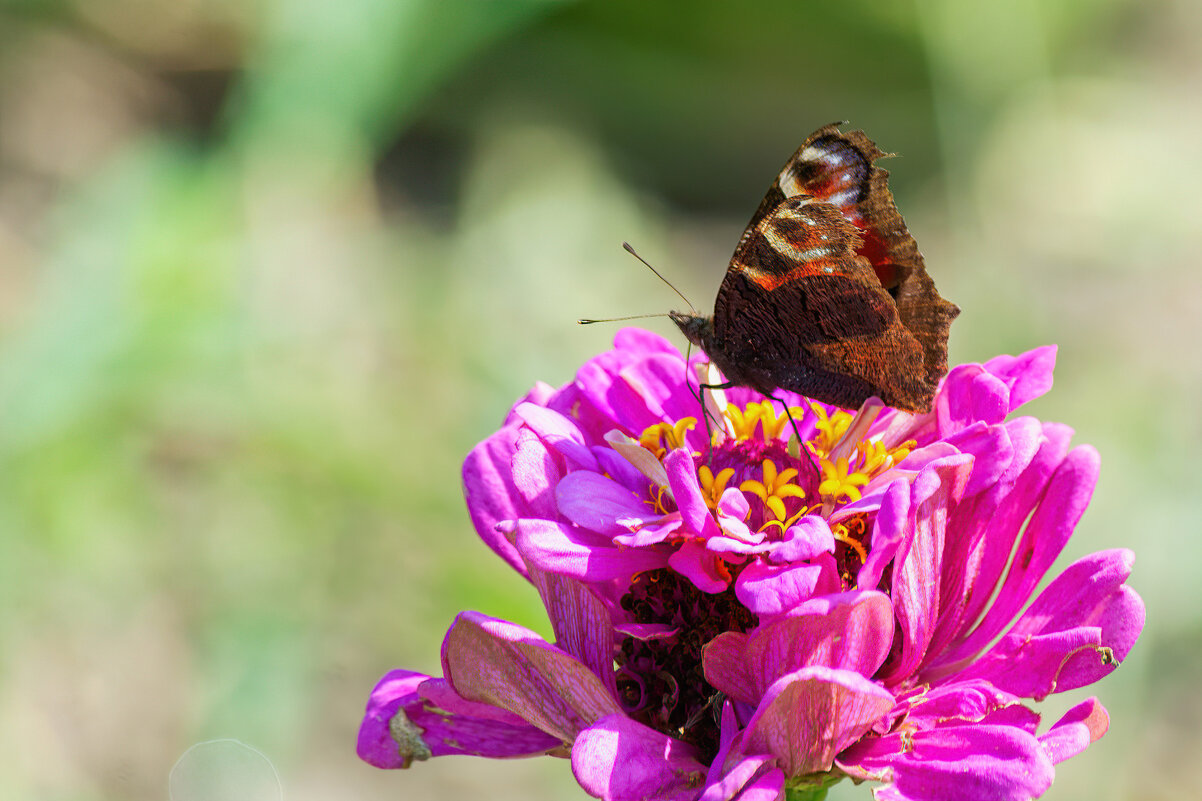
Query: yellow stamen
column 712, row 487
column 774, row 489
column 843, row 535
column 840, row 481
column 663, row 437
column 830, row 428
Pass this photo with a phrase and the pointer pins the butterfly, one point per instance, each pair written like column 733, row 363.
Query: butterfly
column 826, row 294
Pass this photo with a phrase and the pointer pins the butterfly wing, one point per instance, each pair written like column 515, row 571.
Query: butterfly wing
column 839, row 168
column 853, row 308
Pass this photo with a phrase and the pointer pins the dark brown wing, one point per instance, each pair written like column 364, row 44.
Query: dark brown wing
column 839, row 168
column 800, row 309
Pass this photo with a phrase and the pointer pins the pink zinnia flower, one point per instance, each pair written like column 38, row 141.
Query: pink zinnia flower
column 736, row 619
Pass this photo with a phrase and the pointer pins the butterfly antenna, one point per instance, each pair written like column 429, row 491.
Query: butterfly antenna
column 626, row 246
column 590, row 321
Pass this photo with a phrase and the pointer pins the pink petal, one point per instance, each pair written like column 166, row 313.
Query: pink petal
column 682, row 478
column 1061, row 502
column 581, row 622
column 1083, row 724
column 693, row 561
column 769, row 590
column 491, row 495
column 536, row 473
column 498, row 663
column 559, row 434
column 1056, row 645
column 850, row 631
column 970, row 394
column 809, row 716
column 888, row 531
column 592, row 501
column 618, row 759
column 986, row 530
column 729, row 783
column 581, row 554
column 1026, row 376
column 954, row 763
column 806, row 539
column 919, row 560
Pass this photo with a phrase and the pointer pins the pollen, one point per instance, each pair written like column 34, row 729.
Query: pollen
column 663, row 437
column 773, row 490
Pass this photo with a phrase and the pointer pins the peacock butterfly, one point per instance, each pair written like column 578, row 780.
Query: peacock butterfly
column 826, row 294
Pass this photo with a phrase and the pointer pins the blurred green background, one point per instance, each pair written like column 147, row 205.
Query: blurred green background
column 269, row 269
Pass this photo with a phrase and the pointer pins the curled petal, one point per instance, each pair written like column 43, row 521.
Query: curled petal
column 411, row 716
column 1083, row 724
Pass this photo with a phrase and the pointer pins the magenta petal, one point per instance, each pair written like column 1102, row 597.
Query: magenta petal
column 769, row 590
column 849, row 631
column 1027, row 376
column 640, row 341
column 953, row 763
column 682, row 478
column 969, row 395
column 582, row 623
column 1056, row 645
column 734, row 778
column 887, row 532
column 1062, row 501
column 768, row 787
column 917, row 568
column 559, row 434
column 699, row 566
column 592, row 501
column 618, row 759
column 806, row 539
column 1083, row 724
column 536, row 472
column 967, row 701
column 581, row 554
column 498, row 663
column 411, row 716
column 809, row 716
column 491, row 495
column 727, row 668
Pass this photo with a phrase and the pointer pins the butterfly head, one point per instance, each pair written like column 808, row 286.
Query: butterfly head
column 698, row 330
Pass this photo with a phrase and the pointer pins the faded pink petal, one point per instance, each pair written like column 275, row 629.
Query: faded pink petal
column 810, row 715
column 494, row 662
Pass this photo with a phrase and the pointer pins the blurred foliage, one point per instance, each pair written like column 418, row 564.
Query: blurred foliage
column 270, row 269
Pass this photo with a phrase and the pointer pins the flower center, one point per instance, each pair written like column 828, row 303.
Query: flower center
column 752, row 452
column 661, row 682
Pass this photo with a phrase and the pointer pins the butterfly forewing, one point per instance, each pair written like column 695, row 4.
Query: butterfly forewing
column 827, row 294
column 800, row 309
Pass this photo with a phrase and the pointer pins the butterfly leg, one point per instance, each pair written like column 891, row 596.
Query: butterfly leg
column 801, row 445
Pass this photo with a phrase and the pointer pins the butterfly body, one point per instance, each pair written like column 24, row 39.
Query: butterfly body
column 826, row 294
